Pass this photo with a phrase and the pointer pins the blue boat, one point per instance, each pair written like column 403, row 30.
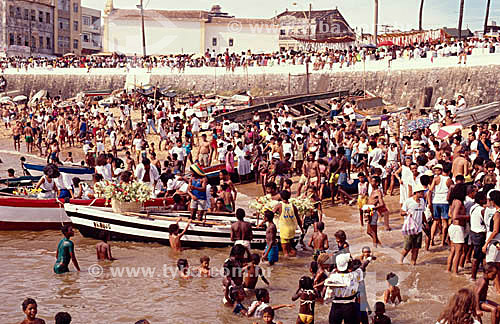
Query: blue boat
column 64, row 169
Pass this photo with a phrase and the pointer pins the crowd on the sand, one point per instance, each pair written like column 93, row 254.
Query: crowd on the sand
column 320, row 58
column 449, row 191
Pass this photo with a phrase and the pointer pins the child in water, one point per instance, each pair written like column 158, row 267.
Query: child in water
column 380, row 317
column 341, row 239
column 204, row 268
column 103, row 249
column 392, row 294
column 307, row 295
column 183, row 266
column 268, row 316
column 253, row 272
column 65, row 251
column 238, row 295
column 481, row 293
column 175, row 237
column 63, row 318
column 30, row 310
column 257, row 307
column 319, row 241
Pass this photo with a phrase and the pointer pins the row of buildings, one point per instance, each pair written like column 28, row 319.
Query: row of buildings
column 48, row 28
column 62, row 27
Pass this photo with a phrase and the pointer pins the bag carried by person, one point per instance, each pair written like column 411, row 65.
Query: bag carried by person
column 410, row 226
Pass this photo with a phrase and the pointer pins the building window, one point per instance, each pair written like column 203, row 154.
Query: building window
column 19, row 40
column 49, row 43
column 11, row 39
column 40, row 16
column 33, row 15
column 214, row 41
column 63, row 5
column 75, row 25
column 75, row 44
column 26, row 14
column 282, row 32
column 26, row 41
column 33, row 42
column 18, row 12
column 231, row 42
column 64, row 24
column 40, row 42
column 86, row 20
column 12, row 11
column 75, row 7
column 47, row 17
column 86, row 38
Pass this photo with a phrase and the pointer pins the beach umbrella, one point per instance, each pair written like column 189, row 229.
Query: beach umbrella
column 69, row 54
column 385, row 43
column 447, row 131
column 421, row 123
column 20, row 98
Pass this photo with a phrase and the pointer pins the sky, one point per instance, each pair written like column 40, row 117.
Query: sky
column 402, row 14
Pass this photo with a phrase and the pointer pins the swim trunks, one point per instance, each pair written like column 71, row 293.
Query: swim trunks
column 306, row 318
column 29, row 139
column 273, row 254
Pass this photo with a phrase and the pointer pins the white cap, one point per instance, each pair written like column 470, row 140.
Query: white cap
column 342, row 261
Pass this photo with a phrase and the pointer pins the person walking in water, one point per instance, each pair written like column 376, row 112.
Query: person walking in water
column 288, row 222
column 65, row 251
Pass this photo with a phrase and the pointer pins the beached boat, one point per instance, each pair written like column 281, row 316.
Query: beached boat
column 31, row 214
column 62, row 168
column 20, row 181
column 153, row 227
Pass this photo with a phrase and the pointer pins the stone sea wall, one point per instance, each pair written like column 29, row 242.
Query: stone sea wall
column 480, row 84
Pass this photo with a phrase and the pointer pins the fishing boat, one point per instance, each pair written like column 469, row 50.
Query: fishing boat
column 31, row 214
column 152, row 226
column 20, row 181
column 62, row 168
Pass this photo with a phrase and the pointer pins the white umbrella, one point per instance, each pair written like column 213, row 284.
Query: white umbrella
column 5, row 99
column 20, row 98
column 447, row 131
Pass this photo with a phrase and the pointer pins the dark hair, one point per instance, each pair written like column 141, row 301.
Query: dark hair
column 490, row 267
column 480, row 197
column 285, row 194
column 306, row 283
column 240, row 213
column 458, row 192
column 268, row 310
column 173, row 229
column 380, row 307
column 28, row 301
column 425, row 180
column 236, row 250
column 126, row 176
column 314, row 267
column 495, row 197
column 320, row 226
column 204, row 259
column 340, row 234
column 392, row 278
column 76, row 181
column 255, row 258
column 65, row 228
column 63, row 318
column 269, row 215
column 261, row 293
column 181, row 264
column 102, row 159
column 142, row 321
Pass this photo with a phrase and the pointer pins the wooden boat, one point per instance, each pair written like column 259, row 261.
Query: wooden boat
column 62, row 168
column 153, row 226
column 20, row 181
column 30, row 214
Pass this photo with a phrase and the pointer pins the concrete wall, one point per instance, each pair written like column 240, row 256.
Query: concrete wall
column 479, row 84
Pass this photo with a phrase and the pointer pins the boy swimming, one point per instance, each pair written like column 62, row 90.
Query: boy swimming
column 175, row 237
column 392, row 294
column 30, row 309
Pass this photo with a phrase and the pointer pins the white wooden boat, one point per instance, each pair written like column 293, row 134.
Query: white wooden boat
column 153, row 227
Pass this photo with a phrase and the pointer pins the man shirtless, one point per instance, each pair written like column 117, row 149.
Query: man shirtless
column 204, row 152
column 16, row 135
column 376, row 200
column 28, row 136
column 460, row 164
column 103, row 249
column 342, row 176
column 241, row 231
column 310, row 174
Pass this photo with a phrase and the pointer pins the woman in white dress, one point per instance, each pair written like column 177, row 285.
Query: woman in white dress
column 492, row 245
column 406, row 176
column 244, row 165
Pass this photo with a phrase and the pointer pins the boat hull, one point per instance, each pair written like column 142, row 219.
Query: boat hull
column 27, row 214
column 91, row 222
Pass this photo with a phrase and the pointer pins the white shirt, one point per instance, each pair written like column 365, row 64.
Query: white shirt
column 477, row 224
column 140, row 171
column 179, row 151
column 64, row 181
column 105, row 171
column 195, row 124
column 416, row 210
column 137, row 143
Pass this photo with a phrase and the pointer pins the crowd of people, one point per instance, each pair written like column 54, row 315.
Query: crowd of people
column 449, row 188
column 319, row 58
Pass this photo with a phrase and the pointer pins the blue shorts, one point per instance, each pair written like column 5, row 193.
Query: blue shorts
column 64, row 193
column 342, row 179
column 273, row 254
column 440, row 211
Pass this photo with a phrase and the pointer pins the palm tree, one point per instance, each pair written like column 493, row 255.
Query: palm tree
column 460, row 19
column 420, row 15
column 375, row 31
column 487, row 16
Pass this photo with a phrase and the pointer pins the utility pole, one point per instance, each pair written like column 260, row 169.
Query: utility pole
column 141, row 5
column 375, row 31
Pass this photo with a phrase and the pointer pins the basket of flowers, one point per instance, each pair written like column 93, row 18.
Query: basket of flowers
column 124, row 197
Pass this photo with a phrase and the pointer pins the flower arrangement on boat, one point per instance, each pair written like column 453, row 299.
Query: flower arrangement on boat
column 261, row 204
column 30, row 192
column 123, row 192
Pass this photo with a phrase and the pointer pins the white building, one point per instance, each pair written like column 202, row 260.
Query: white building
column 186, row 32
